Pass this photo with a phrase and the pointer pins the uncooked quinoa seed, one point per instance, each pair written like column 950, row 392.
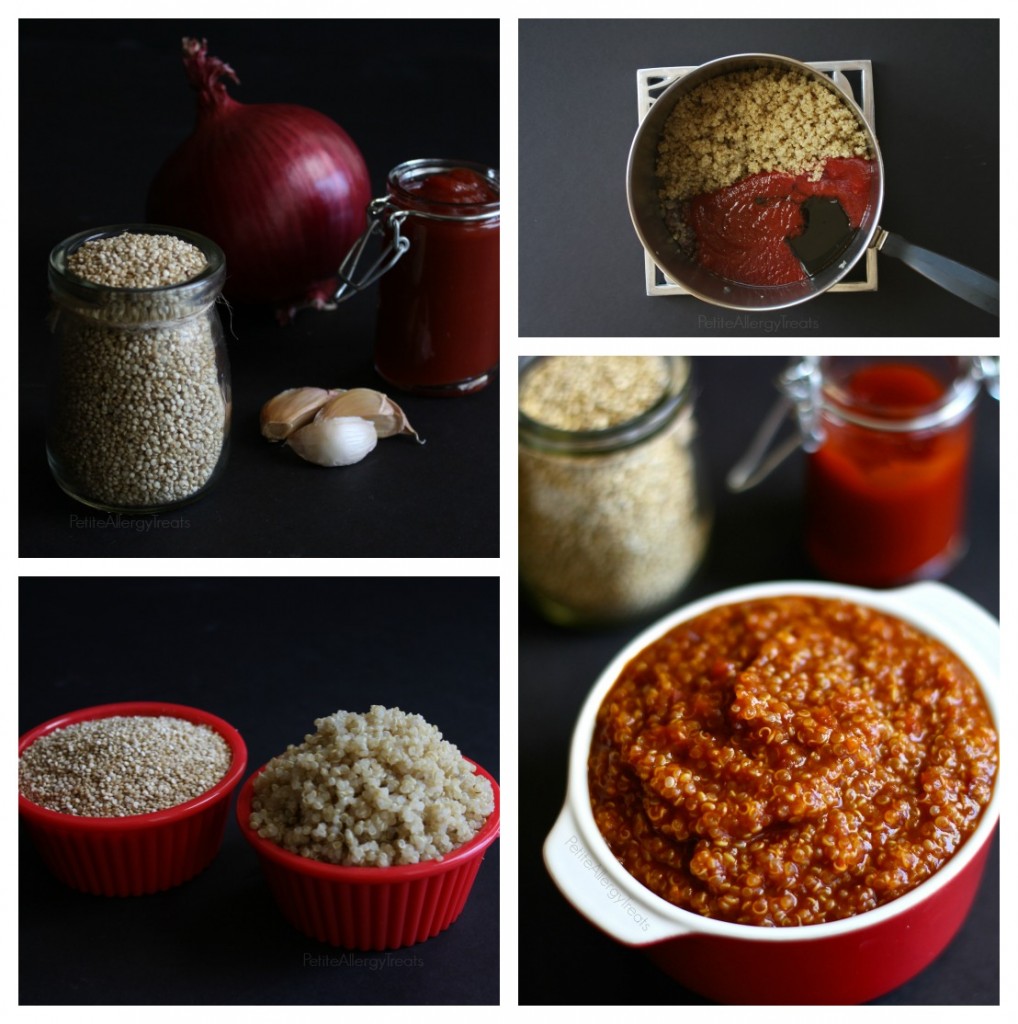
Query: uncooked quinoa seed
column 592, row 392
column 131, row 260
column 124, row 765
column 376, row 789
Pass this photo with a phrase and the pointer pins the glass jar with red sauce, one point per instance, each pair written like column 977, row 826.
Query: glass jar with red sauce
column 888, row 442
column 886, row 484
column 438, row 306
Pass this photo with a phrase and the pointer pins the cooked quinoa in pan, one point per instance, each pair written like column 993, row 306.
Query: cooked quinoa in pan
column 376, row 789
column 747, row 122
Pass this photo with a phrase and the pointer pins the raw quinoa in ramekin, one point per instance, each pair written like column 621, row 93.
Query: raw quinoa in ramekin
column 131, row 854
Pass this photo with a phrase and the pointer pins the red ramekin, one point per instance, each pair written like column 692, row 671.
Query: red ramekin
column 370, row 908
column 141, row 853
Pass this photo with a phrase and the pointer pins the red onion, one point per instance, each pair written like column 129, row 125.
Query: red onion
column 282, row 189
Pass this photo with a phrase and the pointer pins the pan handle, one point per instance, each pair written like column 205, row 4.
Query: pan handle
column 966, row 283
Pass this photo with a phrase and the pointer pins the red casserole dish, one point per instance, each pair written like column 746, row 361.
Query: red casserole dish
column 847, row 961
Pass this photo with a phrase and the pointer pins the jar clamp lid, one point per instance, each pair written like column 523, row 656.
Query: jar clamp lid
column 807, row 394
column 384, row 215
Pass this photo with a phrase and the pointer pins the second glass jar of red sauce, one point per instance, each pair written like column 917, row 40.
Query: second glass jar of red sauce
column 438, row 314
column 886, row 485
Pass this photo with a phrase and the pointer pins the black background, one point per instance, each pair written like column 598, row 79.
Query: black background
column 937, row 115
column 269, row 656
column 103, row 103
column 756, row 536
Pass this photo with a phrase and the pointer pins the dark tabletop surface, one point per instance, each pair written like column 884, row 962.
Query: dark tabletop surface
column 269, row 656
column 104, row 103
column 936, row 112
column 756, row 536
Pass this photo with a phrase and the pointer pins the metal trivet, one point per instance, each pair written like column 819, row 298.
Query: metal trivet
column 854, row 77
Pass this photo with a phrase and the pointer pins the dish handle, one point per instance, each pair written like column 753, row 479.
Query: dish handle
column 960, row 614
column 581, row 877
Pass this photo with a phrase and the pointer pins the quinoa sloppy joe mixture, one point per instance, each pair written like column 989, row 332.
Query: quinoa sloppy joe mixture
column 749, row 160
column 790, row 761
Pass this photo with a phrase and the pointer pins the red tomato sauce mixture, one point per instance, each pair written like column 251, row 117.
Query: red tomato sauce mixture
column 887, row 506
column 458, row 185
column 790, row 761
column 742, row 231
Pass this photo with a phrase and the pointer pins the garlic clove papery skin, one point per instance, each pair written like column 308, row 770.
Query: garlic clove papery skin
column 388, row 418
column 291, row 409
column 336, row 441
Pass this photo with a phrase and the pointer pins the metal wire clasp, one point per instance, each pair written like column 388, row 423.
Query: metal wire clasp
column 398, row 244
column 987, row 372
column 800, row 387
column 382, row 215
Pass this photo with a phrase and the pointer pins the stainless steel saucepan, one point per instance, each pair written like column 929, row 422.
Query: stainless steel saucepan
column 645, row 209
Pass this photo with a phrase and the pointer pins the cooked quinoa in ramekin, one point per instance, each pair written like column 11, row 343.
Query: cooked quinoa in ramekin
column 372, row 790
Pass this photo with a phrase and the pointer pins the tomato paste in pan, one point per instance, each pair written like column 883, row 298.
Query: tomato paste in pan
column 744, row 232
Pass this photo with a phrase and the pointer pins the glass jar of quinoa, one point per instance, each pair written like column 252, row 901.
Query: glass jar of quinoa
column 613, row 517
column 140, row 398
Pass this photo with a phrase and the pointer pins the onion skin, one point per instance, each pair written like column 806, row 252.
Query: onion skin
column 282, row 189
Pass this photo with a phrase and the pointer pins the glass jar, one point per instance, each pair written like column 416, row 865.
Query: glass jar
column 613, row 519
column 438, row 304
column 887, row 477
column 140, row 398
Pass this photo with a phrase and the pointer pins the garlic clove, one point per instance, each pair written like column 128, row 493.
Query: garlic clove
column 291, row 409
column 336, row 441
column 379, row 408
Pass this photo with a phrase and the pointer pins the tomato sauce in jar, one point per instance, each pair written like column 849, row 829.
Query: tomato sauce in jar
column 438, row 313
column 886, row 488
column 790, row 761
